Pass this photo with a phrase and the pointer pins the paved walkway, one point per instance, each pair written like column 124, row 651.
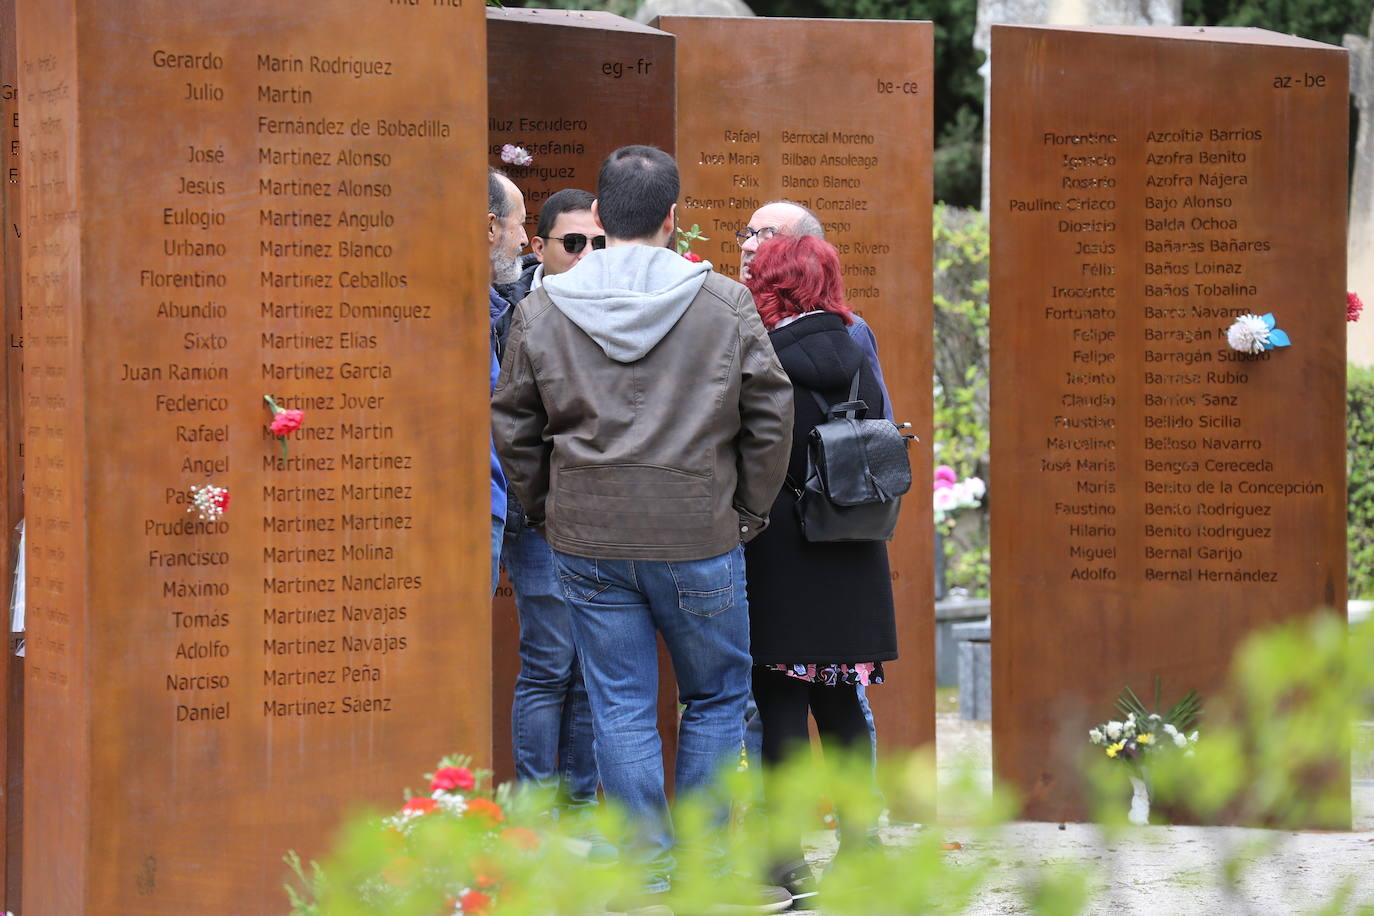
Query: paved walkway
column 1159, row 870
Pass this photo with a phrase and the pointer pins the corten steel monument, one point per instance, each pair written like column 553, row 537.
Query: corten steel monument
column 226, row 200
column 12, row 425
column 569, row 88
column 775, row 108
column 1159, row 496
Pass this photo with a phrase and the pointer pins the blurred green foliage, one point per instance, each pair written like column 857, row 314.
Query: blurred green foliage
column 1274, row 751
column 1319, row 20
column 962, row 418
column 1359, row 418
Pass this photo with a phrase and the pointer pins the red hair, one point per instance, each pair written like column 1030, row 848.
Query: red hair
column 795, row 274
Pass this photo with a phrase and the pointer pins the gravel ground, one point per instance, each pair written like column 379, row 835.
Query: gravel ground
column 1159, row 870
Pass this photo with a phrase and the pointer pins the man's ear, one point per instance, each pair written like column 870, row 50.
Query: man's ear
column 537, row 246
column 596, row 215
column 493, row 229
column 670, row 223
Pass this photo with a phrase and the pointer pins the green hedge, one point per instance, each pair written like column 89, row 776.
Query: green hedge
column 1360, row 468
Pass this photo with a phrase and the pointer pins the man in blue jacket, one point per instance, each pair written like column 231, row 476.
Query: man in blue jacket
column 505, row 237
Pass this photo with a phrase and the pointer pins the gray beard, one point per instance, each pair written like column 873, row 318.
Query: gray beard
column 505, row 269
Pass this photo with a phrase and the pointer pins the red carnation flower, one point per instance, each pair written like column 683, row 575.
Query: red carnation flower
column 286, row 421
column 1353, row 307
column 693, row 257
column 450, row 778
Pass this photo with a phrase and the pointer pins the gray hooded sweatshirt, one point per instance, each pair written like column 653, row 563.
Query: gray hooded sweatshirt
column 641, row 411
column 628, row 297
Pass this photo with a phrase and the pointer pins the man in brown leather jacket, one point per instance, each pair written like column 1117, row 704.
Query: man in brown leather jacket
column 644, row 422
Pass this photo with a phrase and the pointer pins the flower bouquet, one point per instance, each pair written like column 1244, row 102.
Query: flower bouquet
column 952, row 494
column 1141, row 734
column 460, row 814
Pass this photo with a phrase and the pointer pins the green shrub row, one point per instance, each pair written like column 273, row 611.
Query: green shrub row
column 1360, row 470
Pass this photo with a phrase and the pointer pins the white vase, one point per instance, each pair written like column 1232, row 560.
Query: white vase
column 1140, row 802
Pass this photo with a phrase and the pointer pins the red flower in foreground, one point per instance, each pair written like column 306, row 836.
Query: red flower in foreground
column 285, row 421
column 475, row 902
column 482, row 807
column 420, row 805
column 693, row 257
column 450, row 778
column 1353, row 307
column 222, row 499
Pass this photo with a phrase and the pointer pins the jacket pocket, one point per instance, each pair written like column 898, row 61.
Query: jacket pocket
column 705, row 587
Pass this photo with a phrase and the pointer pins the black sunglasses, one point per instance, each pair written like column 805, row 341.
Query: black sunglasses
column 574, row 242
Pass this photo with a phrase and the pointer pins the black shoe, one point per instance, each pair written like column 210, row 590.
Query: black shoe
column 797, row 878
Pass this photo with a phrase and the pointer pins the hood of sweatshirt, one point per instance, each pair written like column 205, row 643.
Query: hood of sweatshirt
column 627, row 297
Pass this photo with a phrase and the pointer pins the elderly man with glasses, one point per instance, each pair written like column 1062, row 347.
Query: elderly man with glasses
column 783, row 217
column 551, row 719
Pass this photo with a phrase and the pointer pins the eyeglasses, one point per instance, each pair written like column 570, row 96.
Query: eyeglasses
column 574, row 242
column 748, row 232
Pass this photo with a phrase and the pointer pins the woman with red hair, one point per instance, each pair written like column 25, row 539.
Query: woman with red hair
column 820, row 614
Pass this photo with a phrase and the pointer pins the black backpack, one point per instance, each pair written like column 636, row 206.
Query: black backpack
column 856, row 472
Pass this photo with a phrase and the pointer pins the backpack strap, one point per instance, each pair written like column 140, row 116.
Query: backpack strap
column 850, row 409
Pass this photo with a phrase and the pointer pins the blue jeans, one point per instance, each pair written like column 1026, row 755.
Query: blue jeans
column 551, row 718
column 498, row 527
column 700, row 608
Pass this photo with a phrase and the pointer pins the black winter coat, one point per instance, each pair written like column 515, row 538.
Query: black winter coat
column 821, row 603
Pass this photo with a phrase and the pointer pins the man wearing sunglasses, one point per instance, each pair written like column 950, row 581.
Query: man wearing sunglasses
column 565, row 234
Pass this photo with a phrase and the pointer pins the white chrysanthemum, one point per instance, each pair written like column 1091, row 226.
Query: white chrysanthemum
column 1193, row 736
column 1096, row 736
column 1248, row 334
column 1180, row 740
column 451, row 802
column 1169, row 729
column 1113, row 730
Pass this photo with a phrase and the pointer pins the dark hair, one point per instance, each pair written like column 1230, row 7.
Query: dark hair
column 498, row 198
column 792, row 274
column 637, row 187
column 565, row 201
